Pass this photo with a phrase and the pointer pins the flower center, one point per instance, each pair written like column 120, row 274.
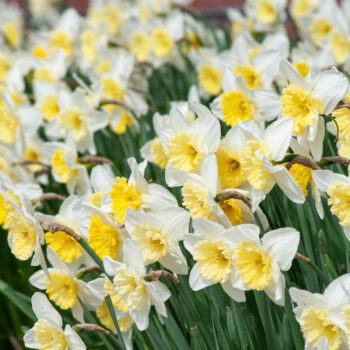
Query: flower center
column 48, row 336
column 130, row 287
column 162, row 43
column 342, row 116
column 214, row 259
column 64, row 245
column 60, row 40
column 235, row 107
column 185, row 151
column 62, row 289
column 139, row 44
column 210, row 78
column 49, row 107
column 117, row 301
column 231, row 173
column 266, row 11
column 339, row 199
column 151, row 241
column 60, row 166
column 301, row 106
column 254, row 265
column 103, row 239
column 159, row 155
column 253, row 166
column 232, row 211
column 316, row 323
column 23, row 234
column 302, row 175
column 319, row 28
column 195, row 199
column 73, row 119
column 8, row 125
column 124, row 196
column 250, row 75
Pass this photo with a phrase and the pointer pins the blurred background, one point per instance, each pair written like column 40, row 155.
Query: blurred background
column 212, row 8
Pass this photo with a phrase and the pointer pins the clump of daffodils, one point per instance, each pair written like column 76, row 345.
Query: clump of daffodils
column 161, row 142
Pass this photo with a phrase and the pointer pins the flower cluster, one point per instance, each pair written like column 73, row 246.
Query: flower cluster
column 163, row 139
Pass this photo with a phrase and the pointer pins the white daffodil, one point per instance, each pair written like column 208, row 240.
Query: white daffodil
column 337, row 187
column 305, row 100
column 63, row 157
column 11, row 24
column 199, row 192
column 78, row 116
column 138, row 194
column 262, row 149
column 46, row 98
column 158, row 235
column 266, row 13
column 153, row 150
column 47, row 332
column 16, row 190
column 105, row 236
column 63, row 287
column 324, row 318
column 257, row 65
column 65, row 34
column 260, row 261
column 101, row 179
column 129, row 283
column 164, row 36
column 210, row 67
column 51, row 68
column 116, row 85
column 70, row 215
column 187, row 143
column 238, row 102
column 211, row 246
column 25, row 233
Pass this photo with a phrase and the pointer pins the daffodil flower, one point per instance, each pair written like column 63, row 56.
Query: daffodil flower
column 70, row 215
column 47, row 332
column 324, row 318
column 305, row 100
column 63, row 157
column 238, row 102
column 25, row 233
column 137, row 193
column 77, row 115
column 260, row 261
column 158, row 235
column 130, row 284
column 63, row 287
column 266, row 13
column 116, row 85
column 262, row 148
column 187, row 143
column 212, row 248
column 337, row 187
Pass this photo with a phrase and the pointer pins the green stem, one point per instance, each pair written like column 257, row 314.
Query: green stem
column 115, row 321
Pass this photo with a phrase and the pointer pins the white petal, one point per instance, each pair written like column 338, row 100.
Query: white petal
column 288, row 185
column 275, row 289
column 207, row 228
column 236, row 294
column 73, row 339
column 140, row 317
column 281, row 245
column 197, row 281
column 324, row 178
column 44, row 310
column 110, row 265
column 278, row 136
